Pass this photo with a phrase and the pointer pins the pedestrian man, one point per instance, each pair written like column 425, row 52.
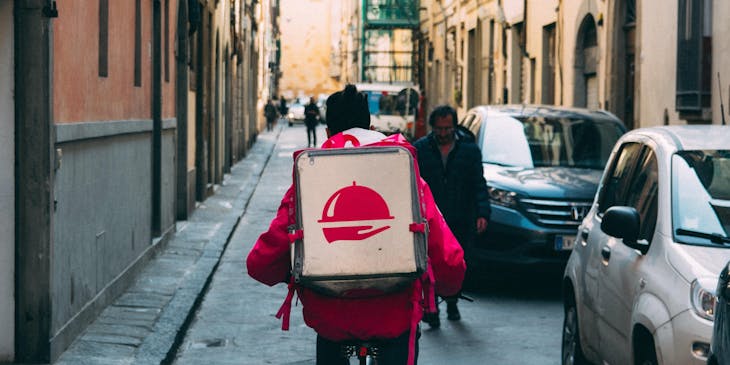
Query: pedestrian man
column 452, row 167
column 283, row 108
column 311, row 119
column 391, row 318
column 269, row 114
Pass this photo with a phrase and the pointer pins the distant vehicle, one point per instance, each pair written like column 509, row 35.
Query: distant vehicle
column 296, row 112
column 639, row 287
column 542, row 164
column 393, row 107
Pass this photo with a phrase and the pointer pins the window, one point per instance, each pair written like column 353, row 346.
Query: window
column 167, row 39
column 694, row 56
column 103, row 38
column 548, row 64
column 388, row 55
column 137, row 43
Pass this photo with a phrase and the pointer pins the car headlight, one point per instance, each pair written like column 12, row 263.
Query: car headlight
column 703, row 297
column 502, row 197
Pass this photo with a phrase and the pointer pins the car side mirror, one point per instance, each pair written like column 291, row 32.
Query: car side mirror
column 624, row 222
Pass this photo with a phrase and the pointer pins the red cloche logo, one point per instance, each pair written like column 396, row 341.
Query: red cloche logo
column 350, row 205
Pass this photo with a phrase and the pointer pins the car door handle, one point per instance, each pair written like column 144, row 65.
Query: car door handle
column 606, row 253
column 584, row 234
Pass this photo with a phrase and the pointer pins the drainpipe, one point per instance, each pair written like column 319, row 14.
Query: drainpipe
column 35, row 163
column 156, row 119
column 524, row 30
column 363, row 9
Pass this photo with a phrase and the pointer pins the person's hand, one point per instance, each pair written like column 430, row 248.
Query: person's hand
column 481, row 224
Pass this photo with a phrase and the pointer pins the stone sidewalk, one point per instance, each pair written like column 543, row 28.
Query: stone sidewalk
column 146, row 324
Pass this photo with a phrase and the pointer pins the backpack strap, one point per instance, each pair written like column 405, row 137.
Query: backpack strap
column 415, row 319
column 417, row 227
column 429, row 293
column 285, row 310
column 295, row 234
column 423, row 295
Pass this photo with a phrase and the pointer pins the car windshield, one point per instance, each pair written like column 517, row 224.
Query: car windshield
column 701, row 196
column 542, row 142
column 391, row 103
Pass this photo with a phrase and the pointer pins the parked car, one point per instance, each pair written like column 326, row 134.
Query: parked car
column 720, row 347
column 542, row 164
column 639, row 287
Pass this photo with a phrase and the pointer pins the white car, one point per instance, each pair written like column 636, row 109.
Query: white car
column 296, row 113
column 639, row 286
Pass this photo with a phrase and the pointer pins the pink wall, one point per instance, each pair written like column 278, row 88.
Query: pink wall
column 79, row 93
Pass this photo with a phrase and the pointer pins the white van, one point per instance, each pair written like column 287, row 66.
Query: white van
column 393, row 107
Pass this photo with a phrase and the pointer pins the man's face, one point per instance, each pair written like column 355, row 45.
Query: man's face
column 443, row 130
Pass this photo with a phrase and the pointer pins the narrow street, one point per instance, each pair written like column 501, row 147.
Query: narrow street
column 515, row 323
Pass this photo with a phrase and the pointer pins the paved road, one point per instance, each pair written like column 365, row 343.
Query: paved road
column 517, row 322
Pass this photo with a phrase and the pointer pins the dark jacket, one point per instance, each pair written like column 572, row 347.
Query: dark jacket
column 460, row 189
column 269, row 111
column 311, row 115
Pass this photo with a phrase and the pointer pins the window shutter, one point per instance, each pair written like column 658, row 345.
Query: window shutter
column 689, row 56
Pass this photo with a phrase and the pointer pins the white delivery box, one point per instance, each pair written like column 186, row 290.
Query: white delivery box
column 359, row 226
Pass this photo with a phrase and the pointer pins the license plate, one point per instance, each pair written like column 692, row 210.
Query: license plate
column 564, row 243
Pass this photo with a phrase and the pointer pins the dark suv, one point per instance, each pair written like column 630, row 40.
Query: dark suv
column 543, row 165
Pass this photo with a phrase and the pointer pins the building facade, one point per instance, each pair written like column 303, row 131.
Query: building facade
column 115, row 119
column 648, row 62
column 306, row 47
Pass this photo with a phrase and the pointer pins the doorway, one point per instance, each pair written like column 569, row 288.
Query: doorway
column 586, row 65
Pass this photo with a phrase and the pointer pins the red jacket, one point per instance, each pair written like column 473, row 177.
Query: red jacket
column 387, row 316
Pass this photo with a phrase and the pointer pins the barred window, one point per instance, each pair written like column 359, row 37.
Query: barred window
column 694, row 56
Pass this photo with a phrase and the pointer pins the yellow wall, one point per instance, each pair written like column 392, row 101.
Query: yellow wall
column 306, row 47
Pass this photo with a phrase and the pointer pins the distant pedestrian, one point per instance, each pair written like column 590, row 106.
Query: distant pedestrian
column 452, row 167
column 283, row 108
column 311, row 119
column 270, row 114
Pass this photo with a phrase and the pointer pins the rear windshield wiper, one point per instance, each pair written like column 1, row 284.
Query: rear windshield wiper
column 714, row 237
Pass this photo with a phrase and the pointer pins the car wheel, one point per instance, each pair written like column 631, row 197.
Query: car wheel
column 572, row 353
column 291, row 124
column 645, row 353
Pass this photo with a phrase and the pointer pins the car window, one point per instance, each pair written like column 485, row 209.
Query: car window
column 466, row 122
column 701, row 193
column 547, row 141
column 392, row 103
column 504, row 142
column 615, row 186
column 642, row 193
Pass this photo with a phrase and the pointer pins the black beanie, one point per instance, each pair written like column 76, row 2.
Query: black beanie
column 347, row 109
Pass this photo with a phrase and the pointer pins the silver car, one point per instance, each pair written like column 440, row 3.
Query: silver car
column 639, row 286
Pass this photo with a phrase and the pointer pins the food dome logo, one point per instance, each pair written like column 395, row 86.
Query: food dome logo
column 352, row 213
